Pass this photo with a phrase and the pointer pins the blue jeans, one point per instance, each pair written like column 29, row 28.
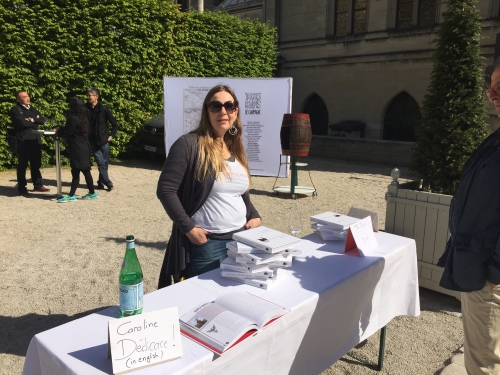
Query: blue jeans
column 101, row 155
column 206, row 257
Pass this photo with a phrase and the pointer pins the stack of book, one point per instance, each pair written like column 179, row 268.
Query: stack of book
column 257, row 255
column 332, row 226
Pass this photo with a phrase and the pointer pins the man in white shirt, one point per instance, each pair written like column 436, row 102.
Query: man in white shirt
column 26, row 118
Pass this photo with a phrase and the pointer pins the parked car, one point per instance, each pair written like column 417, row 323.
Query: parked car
column 152, row 136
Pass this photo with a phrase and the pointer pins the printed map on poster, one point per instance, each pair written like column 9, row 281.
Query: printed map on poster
column 192, row 103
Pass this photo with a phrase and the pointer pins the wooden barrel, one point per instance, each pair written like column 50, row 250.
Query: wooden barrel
column 295, row 134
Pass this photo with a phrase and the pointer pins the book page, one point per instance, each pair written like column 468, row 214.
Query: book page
column 219, row 325
column 252, row 307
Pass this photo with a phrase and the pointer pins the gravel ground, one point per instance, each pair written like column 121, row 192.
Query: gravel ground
column 60, row 262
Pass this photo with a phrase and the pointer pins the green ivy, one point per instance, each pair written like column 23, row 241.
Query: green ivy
column 56, row 49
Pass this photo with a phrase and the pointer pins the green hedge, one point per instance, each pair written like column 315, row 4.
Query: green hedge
column 57, row 49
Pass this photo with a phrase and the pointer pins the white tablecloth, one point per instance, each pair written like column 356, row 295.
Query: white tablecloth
column 336, row 300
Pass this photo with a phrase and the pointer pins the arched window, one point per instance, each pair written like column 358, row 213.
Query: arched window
column 316, row 108
column 401, row 117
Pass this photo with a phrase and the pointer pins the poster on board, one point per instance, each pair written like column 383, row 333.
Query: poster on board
column 262, row 103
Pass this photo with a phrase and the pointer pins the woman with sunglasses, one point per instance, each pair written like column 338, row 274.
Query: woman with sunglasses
column 204, row 189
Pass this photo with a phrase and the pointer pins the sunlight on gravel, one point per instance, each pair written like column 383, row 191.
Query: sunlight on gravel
column 61, row 261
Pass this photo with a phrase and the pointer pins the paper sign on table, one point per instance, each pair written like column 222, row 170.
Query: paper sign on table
column 361, row 236
column 144, row 340
column 359, row 213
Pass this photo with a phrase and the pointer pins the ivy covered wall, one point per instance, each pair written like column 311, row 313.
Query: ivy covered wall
column 55, row 49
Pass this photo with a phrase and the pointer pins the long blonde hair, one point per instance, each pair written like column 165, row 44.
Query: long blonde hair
column 210, row 148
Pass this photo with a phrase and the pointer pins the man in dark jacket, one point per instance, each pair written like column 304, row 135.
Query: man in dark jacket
column 472, row 255
column 26, row 118
column 100, row 135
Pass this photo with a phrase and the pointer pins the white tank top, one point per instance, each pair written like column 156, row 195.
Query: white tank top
column 224, row 210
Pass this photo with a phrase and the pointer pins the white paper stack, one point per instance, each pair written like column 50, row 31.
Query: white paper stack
column 332, row 226
column 257, row 255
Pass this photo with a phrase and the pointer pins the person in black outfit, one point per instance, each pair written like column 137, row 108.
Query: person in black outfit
column 76, row 133
column 26, row 118
column 471, row 259
column 100, row 135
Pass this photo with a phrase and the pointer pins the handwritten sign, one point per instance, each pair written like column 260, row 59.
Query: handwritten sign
column 144, row 340
column 361, row 236
column 359, row 213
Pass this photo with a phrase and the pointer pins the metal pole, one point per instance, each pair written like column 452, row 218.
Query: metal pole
column 58, row 168
column 381, row 350
column 293, row 167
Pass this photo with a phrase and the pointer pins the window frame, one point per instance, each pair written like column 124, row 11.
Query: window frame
column 331, row 14
column 392, row 14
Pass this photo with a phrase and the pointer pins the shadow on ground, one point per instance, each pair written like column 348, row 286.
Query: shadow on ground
column 18, row 331
column 431, row 300
column 159, row 245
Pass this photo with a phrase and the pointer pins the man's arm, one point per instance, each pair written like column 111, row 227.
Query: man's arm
column 38, row 119
column 112, row 120
column 20, row 120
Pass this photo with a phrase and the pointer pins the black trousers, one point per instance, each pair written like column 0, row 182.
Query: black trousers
column 76, row 180
column 29, row 152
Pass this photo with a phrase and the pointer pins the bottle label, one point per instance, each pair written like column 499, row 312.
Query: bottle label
column 130, row 245
column 131, row 296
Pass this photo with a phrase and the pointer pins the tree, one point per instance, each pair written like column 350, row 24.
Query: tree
column 55, row 49
column 453, row 112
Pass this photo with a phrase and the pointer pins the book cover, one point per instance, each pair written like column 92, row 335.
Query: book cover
column 230, row 319
column 266, row 239
column 265, row 258
column 258, row 275
column 286, row 262
column 330, row 229
column 327, row 236
column 231, row 264
column 242, row 248
column 258, row 283
column 334, row 219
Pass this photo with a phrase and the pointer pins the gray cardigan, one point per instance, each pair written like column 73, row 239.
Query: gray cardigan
column 182, row 195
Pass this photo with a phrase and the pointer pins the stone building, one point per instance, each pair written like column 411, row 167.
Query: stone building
column 361, row 68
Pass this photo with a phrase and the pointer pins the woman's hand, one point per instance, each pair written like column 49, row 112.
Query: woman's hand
column 197, row 236
column 253, row 223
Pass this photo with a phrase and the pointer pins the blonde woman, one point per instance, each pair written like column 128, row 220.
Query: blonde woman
column 204, row 189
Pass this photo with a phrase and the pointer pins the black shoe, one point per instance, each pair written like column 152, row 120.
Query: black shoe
column 110, row 188
column 24, row 192
column 100, row 186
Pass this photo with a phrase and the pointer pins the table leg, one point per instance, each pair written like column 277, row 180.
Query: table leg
column 381, row 351
column 294, row 181
column 58, row 168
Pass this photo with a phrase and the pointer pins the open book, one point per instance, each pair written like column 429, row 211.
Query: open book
column 267, row 239
column 230, row 319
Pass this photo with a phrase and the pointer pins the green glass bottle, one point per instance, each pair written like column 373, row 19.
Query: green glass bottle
column 131, row 287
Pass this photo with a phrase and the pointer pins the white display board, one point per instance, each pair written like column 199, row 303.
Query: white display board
column 262, row 103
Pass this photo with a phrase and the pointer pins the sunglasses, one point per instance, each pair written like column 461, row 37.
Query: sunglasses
column 493, row 92
column 215, row 107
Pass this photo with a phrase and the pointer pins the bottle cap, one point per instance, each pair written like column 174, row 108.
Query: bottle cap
column 129, row 238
